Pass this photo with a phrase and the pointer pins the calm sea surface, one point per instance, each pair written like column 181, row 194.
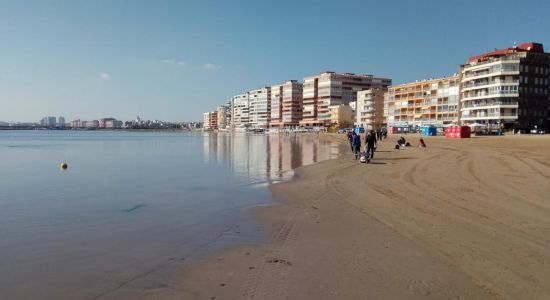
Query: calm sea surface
column 132, row 208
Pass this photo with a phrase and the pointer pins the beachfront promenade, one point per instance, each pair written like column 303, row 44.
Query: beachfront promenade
column 461, row 219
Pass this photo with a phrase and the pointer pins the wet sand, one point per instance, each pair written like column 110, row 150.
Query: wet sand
column 462, row 219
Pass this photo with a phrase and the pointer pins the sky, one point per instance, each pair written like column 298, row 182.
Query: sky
column 174, row 60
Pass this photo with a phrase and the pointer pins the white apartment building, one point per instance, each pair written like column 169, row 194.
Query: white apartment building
column 507, row 88
column 206, row 120
column 240, row 106
column 370, row 109
column 490, row 91
column 260, row 107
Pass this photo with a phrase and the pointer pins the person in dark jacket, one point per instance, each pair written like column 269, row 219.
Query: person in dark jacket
column 350, row 139
column 356, row 144
column 370, row 143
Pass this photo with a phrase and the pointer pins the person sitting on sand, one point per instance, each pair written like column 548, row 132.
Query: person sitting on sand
column 422, row 144
column 401, row 142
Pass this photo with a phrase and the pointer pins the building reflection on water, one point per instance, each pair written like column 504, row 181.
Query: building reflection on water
column 266, row 158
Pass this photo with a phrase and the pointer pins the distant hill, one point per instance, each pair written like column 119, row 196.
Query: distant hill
column 4, row 123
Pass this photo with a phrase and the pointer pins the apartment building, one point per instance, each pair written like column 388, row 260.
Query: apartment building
column 259, row 107
column 113, row 123
column 91, row 124
column 330, row 89
column 507, row 88
column 213, row 120
column 228, row 115
column 103, row 122
column 210, row 120
column 206, row 121
column 221, row 115
column 240, row 111
column 48, row 121
column 76, row 123
column 370, row 109
column 427, row 102
column 286, row 104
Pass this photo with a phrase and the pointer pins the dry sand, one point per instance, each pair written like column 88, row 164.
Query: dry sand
column 462, row 219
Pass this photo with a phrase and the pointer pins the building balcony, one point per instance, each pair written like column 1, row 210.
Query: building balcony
column 487, row 84
column 509, row 59
column 490, row 73
column 489, row 104
column 483, row 95
column 489, row 116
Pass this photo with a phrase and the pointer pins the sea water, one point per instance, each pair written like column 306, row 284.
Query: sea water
column 131, row 206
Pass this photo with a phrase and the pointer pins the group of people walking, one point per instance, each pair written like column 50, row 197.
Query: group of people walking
column 371, row 139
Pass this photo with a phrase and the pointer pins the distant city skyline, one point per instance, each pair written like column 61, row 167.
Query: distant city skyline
column 173, row 61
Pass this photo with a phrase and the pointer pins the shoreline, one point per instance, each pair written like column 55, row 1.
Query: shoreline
column 340, row 229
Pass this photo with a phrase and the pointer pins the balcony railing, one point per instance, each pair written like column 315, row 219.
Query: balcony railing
column 497, row 69
column 488, row 103
column 471, row 85
column 504, row 58
column 482, row 94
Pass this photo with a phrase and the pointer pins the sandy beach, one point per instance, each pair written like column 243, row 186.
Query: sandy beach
column 462, row 219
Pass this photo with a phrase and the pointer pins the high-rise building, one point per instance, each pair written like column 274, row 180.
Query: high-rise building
column 206, row 120
column 228, row 115
column 507, row 88
column 76, row 124
column 213, row 119
column 61, row 121
column 286, row 104
column 370, row 109
column 259, row 107
column 103, row 122
column 221, row 114
column 240, row 111
column 421, row 103
column 90, row 124
column 330, row 89
column 210, row 120
column 113, row 123
column 48, row 121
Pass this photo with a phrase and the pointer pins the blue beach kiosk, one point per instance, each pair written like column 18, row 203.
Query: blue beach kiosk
column 429, row 131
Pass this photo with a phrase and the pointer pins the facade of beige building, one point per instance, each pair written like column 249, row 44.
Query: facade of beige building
column 286, row 104
column 341, row 115
column 422, row 103
column 221, row 114
column 331, row 89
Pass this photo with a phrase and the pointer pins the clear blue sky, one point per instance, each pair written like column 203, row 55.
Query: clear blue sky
column 172, row 60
